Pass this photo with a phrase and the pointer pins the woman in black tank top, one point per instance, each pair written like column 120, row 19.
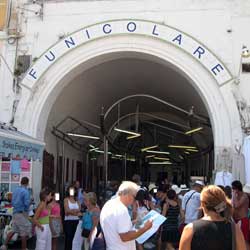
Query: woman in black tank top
column 214, row 231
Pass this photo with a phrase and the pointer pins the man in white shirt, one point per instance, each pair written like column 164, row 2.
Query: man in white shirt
column 191, row 202
column 79, row 191
column 116, row 222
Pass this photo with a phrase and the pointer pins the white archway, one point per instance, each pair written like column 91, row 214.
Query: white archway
column 43, row 89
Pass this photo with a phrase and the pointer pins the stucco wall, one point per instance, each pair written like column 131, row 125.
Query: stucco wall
column 220, row 25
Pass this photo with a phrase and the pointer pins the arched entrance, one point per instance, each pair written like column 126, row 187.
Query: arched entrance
column 107, row 41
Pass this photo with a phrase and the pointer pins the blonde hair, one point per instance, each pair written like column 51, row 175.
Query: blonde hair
column 91, row 196
column 214, row 199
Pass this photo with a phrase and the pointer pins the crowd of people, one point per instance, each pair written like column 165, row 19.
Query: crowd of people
column 202, row 217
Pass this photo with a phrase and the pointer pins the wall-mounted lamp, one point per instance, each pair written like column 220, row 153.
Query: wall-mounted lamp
column 245, row 52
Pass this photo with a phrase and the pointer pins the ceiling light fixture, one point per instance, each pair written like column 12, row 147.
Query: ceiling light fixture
column 130, row 159
column 126, row 131
column 162, row 158
column 133, row 136
column 192, row 150
column 160, row 163
column 115, row 157
column 93, row 149
column 157, row 152
column 102, row 152
column 84, row 136
column 150, row 147
column 193, row 130
column 181, row 146
column 119, row 155
column 187, row 153
column 150, row 156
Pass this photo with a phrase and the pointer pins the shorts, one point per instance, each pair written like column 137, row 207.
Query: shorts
column 21, row 224
column 244, row 225
column 56, row 227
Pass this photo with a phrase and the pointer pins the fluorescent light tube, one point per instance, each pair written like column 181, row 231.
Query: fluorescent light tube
column 160, row 163
column 157, row 152
column 115, row 157
column 133, row 136
column 150, row 156
column 126, row 131
column 192, row 150
column 85, row 136
column 93, row 149
column 193, row 130
column 119, row 155
column 131, row 159
column 150, row 147
column 102, row 152
column 181, row 146
column 162, row 158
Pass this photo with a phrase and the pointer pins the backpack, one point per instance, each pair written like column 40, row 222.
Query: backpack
column 98, row 242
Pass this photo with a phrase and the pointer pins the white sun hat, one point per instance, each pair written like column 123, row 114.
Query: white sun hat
column 200, row 183
column 246, row 189
column 184, row 187
column 176, row 189
column 151, row 186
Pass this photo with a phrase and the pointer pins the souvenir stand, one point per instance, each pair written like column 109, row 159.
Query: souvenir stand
column 20, row 155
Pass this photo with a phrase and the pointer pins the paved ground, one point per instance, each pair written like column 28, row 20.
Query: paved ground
column 31, row 244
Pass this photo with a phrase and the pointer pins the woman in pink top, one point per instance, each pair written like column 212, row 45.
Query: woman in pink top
column 55, row 220
column 41, row 221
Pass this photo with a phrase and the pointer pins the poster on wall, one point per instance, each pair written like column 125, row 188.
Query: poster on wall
column 4, row 187
column 15, row 178
column 15, row 166
column 5, row 177
column 11, row 173
column 25, row 165
column 5, row 166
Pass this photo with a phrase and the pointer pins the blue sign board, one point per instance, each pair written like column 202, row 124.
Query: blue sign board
column 13, row 148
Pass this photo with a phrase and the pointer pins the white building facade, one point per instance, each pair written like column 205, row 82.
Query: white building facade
column 201, row 40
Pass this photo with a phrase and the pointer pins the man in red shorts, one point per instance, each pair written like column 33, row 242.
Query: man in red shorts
column 240, row 204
